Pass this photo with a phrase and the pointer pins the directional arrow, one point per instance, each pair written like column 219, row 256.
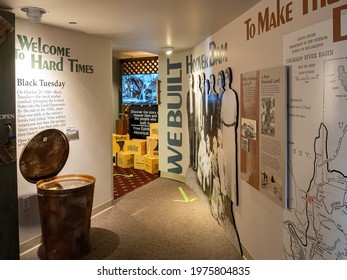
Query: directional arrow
column 124, row 175
column 185, row 197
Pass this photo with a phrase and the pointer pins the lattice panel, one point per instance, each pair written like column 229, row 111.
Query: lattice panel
column 140, row 66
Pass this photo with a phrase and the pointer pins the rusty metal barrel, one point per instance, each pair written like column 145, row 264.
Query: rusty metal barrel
column 65, row 201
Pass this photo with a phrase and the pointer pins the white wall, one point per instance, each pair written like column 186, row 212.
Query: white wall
column 172, row 116
column 88, row 107
column 259, row 220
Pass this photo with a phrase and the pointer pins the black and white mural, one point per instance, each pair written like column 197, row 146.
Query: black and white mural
column 212, row 109
column 200, row 113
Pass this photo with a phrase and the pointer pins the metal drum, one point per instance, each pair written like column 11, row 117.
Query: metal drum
column 65, row 202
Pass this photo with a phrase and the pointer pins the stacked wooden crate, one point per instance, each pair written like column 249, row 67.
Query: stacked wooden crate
column 152, row 157
column 138, row 153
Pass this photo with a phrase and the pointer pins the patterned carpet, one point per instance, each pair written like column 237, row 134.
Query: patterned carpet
column 126, row 180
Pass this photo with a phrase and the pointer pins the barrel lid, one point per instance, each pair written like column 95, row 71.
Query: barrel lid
column 44, row 156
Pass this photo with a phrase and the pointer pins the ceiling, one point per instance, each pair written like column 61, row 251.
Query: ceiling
column 139, row 27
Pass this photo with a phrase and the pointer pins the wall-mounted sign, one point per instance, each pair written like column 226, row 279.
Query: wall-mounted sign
column 139, row 119
column 264, row 132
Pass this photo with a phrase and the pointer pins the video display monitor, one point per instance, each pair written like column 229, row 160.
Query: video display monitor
column 138, row 89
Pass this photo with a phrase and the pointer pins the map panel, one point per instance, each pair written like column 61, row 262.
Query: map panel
column 315, row 224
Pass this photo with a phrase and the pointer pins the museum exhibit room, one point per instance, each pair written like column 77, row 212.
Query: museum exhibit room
column 173, row 130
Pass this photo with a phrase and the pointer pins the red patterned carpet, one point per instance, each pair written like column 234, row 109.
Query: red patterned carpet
column 126, row 180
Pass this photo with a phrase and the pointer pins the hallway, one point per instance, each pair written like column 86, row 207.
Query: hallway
column 148, row 224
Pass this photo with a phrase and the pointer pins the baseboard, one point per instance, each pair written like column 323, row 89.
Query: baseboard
column 102, row 207
column 246, row 254
column 173, row 176
column 36, row 241
column 29, row 244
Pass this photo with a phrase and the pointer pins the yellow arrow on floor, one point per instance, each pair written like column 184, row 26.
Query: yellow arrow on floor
column 185, row 197
column 124, row 175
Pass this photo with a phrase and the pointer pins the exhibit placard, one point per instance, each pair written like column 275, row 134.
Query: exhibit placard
column 273, row 134
column 264, row 132
column 249, row 112
column 140, row 118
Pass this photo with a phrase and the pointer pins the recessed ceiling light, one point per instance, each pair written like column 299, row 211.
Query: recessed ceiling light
column 34, row 14
column 168, row 50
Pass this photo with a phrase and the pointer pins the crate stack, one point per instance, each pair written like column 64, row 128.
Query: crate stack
column 118, row 139
column 137, row 153
column 151, row 159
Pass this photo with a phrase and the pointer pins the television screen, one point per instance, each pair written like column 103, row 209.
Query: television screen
column 139, row 89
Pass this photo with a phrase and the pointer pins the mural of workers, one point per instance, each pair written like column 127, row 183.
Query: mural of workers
column 229, row 124
column 205, row 92
column 212, row 107
column 204, row 163
column 213, row 139
column 191, row 121
column 213, row 172
column 216, row 194
column 198, row 118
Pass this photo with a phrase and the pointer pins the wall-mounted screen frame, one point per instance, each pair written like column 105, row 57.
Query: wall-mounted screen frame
column 139, row 89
